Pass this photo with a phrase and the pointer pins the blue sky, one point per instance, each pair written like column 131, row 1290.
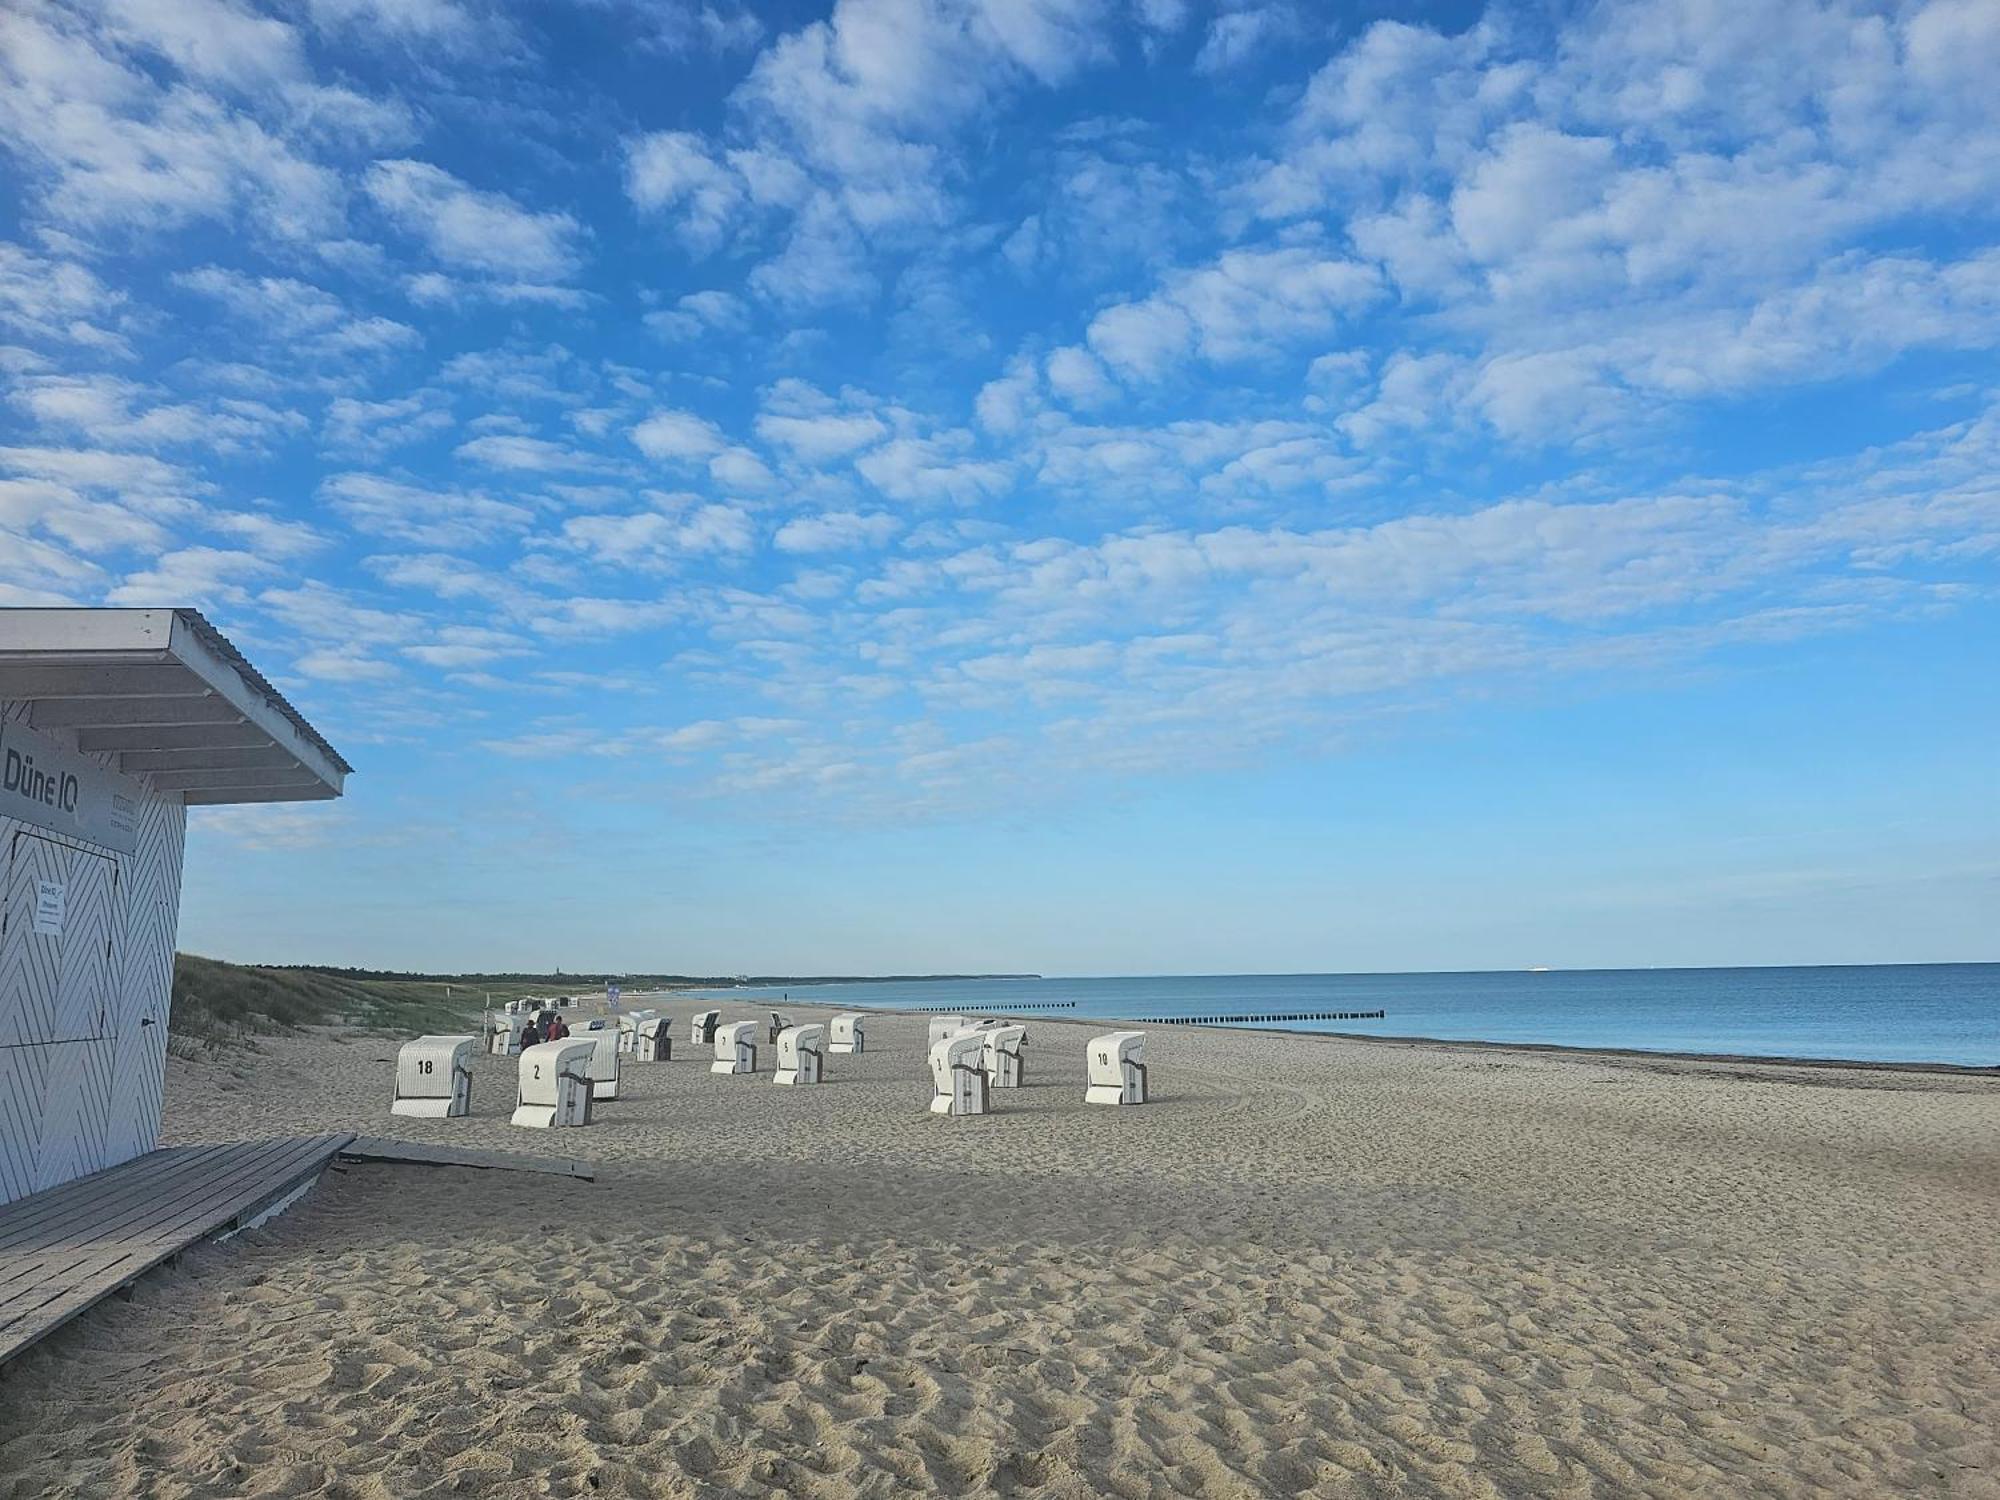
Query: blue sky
column 1040, row 484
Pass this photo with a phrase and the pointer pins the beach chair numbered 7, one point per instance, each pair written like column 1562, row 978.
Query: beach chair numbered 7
column 735, row 1048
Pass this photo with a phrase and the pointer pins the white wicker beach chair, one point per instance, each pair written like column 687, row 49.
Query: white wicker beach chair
column 434, row 1077
column 735, row 1048
column 556, row 1086
column 958, row 1075
column 1006, row 1055
column 800, row 1054
column 1117, row 1063
column 846, row 1032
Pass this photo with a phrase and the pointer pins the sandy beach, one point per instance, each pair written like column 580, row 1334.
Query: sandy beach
column 1310, row 1266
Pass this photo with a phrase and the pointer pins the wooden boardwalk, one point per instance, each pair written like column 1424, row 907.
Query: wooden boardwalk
column 63, row 1250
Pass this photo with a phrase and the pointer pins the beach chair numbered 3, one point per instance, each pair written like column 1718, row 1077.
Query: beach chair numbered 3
column 799, row 1058
column 556, row 1087
column 1117, row 1068
column 434, row 1077
column 735, row 1048
column 959, row 1079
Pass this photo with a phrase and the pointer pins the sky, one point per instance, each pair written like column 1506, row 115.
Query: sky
column 1050, row 486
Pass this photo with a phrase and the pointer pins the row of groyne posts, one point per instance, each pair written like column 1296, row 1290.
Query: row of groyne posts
column 1304, row 1015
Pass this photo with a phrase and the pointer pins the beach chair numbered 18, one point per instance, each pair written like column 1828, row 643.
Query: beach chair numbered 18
column 605, row 1065
column 735, row 1048
column 958, row 1075
column 434, row 1077
column 799, row 1054
column 1006, row 1055
column 555, row 1087
column 655, row 1040
column 1117, row 1068
column 844, row 1035
column 701, row 1028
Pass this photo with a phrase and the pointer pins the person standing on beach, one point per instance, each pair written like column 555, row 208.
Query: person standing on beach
column 531, row 1033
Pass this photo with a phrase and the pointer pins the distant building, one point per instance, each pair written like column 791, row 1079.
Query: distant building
column 113, row 722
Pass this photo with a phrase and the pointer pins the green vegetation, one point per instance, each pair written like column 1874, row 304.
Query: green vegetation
column 220, row 1004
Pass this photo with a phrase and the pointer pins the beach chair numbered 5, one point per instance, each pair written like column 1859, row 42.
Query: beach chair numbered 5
column 799, row 1056
column 959, row 1081
column 1117, row 1068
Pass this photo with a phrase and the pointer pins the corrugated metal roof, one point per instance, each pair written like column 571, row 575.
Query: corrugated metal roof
column 220, row 644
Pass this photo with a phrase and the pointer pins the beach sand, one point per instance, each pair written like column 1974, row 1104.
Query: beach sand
column 1310, row 1266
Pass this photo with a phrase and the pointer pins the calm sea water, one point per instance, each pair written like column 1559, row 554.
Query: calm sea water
column 1948, row 1013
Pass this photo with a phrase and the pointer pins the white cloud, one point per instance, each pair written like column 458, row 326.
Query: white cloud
column 473, row 228
column 200, row 576
column 836, row 531
column 821, row 437
column 527, row 454
column 678, row 437
column 426, row 517
column 934, row 470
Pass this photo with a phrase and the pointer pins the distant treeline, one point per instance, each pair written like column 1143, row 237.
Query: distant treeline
column 559, row 981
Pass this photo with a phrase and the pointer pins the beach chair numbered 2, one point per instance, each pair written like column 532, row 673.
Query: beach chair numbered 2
column 799, row 1055
column 1117, row 1068
column 958, row 1075
column 434, row 1077
column 556, row 1088
column 735, row 1048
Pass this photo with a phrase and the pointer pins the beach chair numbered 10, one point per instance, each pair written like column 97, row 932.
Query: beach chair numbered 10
column 434, row 1077
column 846, row 1033
column 942, row 1027
column 1117, row 1068
column 555, row 1085
column 800, row 1054
column 655, row 1040
column 958, row 1075
column 1006, row 1055
column 605, row 1065
column 701, row 1028
column 735, row 1048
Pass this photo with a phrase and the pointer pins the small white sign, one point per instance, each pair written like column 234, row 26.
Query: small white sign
column 50, row 896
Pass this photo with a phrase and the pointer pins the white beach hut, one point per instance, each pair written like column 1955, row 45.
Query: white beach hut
column 434, row 1077
column 1117, row 1063
column 958, row 1075
column 113, row 723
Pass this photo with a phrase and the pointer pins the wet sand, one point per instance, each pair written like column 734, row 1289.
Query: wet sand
column 1310, row 1266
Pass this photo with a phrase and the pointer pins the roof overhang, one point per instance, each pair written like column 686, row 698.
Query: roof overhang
column 162, row 690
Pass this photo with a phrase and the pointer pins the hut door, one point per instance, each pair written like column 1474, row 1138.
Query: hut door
column 56, row 936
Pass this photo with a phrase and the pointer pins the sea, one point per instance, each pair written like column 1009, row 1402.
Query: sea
column 1926, row 1013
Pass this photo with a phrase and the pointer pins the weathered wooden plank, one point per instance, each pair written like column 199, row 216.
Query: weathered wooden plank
column 385, row 1148
column 63, row 1257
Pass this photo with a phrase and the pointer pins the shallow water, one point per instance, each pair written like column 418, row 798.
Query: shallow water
column 1947, row 1013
